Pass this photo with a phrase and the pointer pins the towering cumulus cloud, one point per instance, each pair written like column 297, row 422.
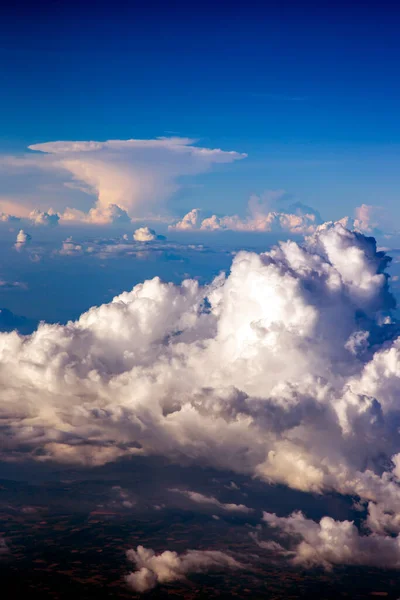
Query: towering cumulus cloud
column 286, row 369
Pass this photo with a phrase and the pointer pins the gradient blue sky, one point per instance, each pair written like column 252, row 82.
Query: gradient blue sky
column 309, row 90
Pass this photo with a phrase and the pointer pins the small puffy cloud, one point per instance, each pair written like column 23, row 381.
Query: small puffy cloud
column 329, row 543
column 211, row 501
column 22, row 239
column 70, row 248
column 122, row 498
column 49, row 218
column 145, row 234
column 154, row 569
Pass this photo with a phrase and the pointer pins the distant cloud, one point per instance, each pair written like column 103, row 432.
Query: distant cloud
column 135, row 176
column 369, row 219
column 211, row 501
column 144, row 234
column 329, row 543
column 298, row 218
column 4, row 549
column 5, row 218
column 154, row 569
column 22, row 239
column 10, row 285
column 126, row 245
column 109, row 215
column 48, row 218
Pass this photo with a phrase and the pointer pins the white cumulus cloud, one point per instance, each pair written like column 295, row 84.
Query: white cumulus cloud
column 329, row 543
column 154, row 569
column 145, row 234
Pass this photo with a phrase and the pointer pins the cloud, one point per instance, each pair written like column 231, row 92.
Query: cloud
column 22, row 239
column 109, row 215
column 11, row 285
column 211, row 501
column 286, row 369
column 154, row 569
column 70, row 248
column 122, row 177
column 296, row 219
column 329, row 543
column 49, row 218
column 6, row 218
column 368, row 218
column 124, row 245
column 144, row 234
column 4, row 549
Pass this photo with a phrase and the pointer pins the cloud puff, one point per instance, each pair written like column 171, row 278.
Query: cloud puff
column 49, row 218
column 296, row 219
column 211, row 501
column 154, row 569
column 329, row 543
column 22, row 239
column 287, row 370
column 125, row 178
column 144, row 234
column 108, row 215
column 368, row 218
column 6, row 218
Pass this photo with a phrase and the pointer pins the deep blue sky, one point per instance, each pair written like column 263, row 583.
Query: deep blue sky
column 309, row 90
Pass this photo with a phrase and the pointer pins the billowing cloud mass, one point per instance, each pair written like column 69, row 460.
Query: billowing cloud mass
column 263, row 215
column 331, row 542
column 287, row 369
column 153, row 569
column 125, row 178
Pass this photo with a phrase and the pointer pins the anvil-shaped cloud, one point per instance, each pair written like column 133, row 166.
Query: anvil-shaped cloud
column 137, row 176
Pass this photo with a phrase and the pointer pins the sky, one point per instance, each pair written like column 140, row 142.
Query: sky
column 308, row 91
column 199, row 286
